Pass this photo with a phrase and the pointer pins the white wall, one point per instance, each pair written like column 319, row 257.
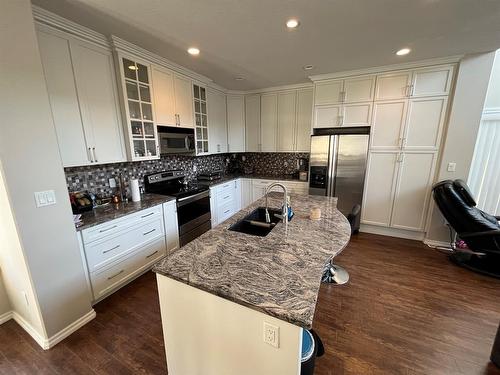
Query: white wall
column 4, row 299
column 465, row 116
column 493, row 95
column 31, row 162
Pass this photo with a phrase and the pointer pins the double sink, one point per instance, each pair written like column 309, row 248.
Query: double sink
column 255, row 222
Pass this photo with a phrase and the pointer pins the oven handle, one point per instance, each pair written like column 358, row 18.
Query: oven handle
column 192, row 198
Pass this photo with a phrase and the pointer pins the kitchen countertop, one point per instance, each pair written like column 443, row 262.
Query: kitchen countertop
column 280, row 274
column 113, row 211
column 230, row 177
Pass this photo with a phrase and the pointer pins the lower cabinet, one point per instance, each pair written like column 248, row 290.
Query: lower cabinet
column 119, row 250
column 246, row 192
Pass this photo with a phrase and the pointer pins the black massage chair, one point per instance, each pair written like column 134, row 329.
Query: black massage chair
column 479, row 230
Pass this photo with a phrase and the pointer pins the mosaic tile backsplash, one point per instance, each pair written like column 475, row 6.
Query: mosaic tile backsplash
column 96, row 178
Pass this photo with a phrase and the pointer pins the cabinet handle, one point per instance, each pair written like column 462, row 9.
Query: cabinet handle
column 89, row 155
column 226, row 211
column 94, row 153
column 150, row 255
column 403, row 144
column 143, row 216
column 105, row 230
column 113, row 248
column 227, row 196
column 148, row 232
column 116, row 274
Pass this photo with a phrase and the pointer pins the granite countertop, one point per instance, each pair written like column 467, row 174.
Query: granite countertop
column 229, row 177
column 113, row 211
column 280, row 274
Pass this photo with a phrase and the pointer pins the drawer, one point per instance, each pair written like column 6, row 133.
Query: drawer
column 225, row 188
column 117, row 225
column 106, row 281
column 103, row 252
column 225, row 211
column 225, row 196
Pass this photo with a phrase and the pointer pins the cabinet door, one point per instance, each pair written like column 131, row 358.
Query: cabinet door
column 58, row 71
column 328, row 92
column 268, row 122
column 171, row 226
column 183, row 101
column 258, row 190
column 200, row 119
column 413, row 191
column 431, row 81
column 388, row 124
column 96, row 86
column 286, row 120
column 327, row 117
column 237, row 195
column 236, row 123
column 359, row 89
column 392, row 85
column 379, row 188
column 163, row 88
column 252, row 123
column 216, row 102
column 246, row 192
column 425, row 123
column 304, row 116
column 357, row 114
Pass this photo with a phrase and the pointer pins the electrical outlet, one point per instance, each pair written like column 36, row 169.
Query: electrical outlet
column 451, row 167
column 271, row 335
column 112, row 183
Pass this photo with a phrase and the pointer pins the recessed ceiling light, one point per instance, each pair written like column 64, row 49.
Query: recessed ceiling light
column 239, row 78
column 132, row 67
column 193, row 51
column 292, row 23
column 308, row 67
column 403, row 51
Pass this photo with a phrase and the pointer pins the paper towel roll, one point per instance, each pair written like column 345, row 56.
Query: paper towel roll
column 134, row 188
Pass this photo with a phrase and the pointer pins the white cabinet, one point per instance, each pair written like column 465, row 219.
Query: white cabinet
column 82, row 92
column 356, row 114
column 433, row 81
column 388, row 124
column 225, row 201
column 350, row 90
column 173, row 98
column 236, row 123
column 237, row 195
column 304, row 116
column 328, row 92
column 171, row 225
column 327, row 116
column 217, row 141
column 393, row 85
column 200, row 119
column 286, row 120
column 268, row 121
column 252, row 123
column 246, row 192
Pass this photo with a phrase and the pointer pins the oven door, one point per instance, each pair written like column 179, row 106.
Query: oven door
column 176, row 143
column 193, row 216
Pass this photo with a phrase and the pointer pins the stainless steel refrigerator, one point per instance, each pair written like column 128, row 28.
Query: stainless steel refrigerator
column 337, row 166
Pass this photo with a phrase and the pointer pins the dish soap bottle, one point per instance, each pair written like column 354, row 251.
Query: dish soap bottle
column 289, row 209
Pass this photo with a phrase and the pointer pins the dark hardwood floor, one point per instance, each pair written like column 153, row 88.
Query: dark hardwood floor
column 406, row 310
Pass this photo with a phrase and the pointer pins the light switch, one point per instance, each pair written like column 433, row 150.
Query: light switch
column 45, row 198
column 451, row 167
column 112, row 183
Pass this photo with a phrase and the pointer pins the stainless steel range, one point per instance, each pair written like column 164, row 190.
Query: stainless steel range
column 193, row 202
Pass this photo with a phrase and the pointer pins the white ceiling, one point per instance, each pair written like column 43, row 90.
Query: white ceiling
column 248, row 37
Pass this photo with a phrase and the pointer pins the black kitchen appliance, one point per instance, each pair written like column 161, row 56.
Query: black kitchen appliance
column 193, row 202
column 210, row 175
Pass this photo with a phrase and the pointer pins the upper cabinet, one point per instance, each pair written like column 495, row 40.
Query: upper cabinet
column 201, row 119
column 351, row 90
column 236, row 123
column 138, row 109
column 252, row 123
column 173, row 98
column 82, row 92
column 216, row 103
column 287, row 123
column 268, row 121
column 394, row 85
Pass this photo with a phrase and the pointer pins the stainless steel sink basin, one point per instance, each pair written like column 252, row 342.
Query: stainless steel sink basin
column 255, row 222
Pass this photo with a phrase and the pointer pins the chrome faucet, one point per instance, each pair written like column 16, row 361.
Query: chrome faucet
column 284, row 213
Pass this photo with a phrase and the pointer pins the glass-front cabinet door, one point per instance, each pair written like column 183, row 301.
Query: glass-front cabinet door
column 200, row 118
column 141, row 129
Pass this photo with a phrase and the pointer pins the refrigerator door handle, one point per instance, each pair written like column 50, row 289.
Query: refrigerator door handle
column 332, row 162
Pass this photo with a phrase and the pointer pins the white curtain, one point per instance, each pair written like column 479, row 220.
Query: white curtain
column 484, row 177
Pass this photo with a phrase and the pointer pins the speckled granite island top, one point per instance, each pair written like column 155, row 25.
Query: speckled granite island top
column 279, row 274
column 113, row 211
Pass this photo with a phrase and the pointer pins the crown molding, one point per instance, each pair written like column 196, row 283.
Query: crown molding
column 297, row 86
column 44, row 17
column 122, row 45
column 387, row 68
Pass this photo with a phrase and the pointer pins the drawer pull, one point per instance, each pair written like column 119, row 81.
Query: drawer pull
column 116, row 274
column 113, row 248
column 151, row 231
column 105, row 230
column 143, row 216
column 226, row 211
column 227, row 196
column 150, row 255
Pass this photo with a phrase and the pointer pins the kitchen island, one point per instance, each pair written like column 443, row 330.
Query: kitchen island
column 219, row 292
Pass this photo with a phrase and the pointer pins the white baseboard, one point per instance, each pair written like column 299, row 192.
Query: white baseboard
column 65, row 332
column 6, row 317
column 29, row 329
column 432, row 243
column 392, row 232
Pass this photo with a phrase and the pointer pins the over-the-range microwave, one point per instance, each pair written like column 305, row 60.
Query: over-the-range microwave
column 176, row 140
